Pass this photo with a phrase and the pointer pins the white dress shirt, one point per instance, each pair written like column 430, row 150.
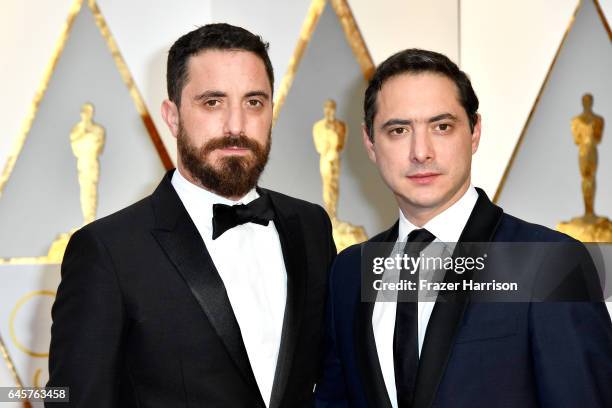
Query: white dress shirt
column 249, row 260
column 446, row 227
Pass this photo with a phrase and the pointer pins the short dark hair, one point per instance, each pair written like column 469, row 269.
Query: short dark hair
column 219, row 36
column 415, row 61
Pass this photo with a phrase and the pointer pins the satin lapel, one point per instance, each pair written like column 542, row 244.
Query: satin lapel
column 182, row 243
column 365, row 342
column 446, row 317
column 367, row 357
column 291, row 236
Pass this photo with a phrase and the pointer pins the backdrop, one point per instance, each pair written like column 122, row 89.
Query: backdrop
column 530, row 62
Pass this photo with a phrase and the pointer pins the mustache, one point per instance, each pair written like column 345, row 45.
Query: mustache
column 235, row 141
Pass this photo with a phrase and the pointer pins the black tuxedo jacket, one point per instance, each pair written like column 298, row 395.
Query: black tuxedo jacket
column 142, row 318
column 477, row 355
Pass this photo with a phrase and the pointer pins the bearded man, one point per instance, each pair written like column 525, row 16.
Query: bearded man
column 211, row 291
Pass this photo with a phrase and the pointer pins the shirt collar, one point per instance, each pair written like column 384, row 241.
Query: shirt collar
column 199, row 202
column 448, row 225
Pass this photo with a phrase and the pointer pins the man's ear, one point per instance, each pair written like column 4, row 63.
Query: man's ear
column 170, row 114
column 476, row 133
column 369, row 145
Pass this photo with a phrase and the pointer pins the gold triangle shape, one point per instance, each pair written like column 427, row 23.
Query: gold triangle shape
column 353, row 37
column 48, row 73
column 55, row 251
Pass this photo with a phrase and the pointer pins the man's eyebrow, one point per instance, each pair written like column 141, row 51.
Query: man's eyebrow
column 210, row 94
column 263, row 94
column 394, row 122
column 409, row 122
column 442, row 117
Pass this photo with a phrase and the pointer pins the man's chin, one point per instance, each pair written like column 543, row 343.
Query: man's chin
column 423, row 198
column 221, row 162
column 429, row 198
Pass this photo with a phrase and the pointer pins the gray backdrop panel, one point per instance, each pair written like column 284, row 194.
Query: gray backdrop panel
column 544, row 184
column 328, row 70
column 41, row 198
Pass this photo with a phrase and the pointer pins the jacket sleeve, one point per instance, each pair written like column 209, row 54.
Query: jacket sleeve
column 88, row 319
column 571, row 339
column 572, row 354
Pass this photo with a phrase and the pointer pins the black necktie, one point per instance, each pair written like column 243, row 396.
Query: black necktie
column 226, row 217
column 406, row 334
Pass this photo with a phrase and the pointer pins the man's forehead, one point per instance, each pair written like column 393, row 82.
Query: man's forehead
column 220, row 65
column 418, row 85
column 418, row 94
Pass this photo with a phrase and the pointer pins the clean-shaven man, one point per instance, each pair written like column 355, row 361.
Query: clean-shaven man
column 210, row 292
column 421, row 130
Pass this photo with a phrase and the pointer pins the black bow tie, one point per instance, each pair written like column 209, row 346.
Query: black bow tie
column 226, row 217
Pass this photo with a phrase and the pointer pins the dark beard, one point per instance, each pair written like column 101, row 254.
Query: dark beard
column 235, row 176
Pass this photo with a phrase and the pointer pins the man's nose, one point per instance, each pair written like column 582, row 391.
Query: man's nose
column 234, row 122
column 421, row 149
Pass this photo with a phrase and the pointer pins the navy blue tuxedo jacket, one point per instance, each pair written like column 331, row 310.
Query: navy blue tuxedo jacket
column 548, row 354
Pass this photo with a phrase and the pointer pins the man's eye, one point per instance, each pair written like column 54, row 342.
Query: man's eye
column 211, row 103
column 255, row 102
column 398, row 131
column 443, row 127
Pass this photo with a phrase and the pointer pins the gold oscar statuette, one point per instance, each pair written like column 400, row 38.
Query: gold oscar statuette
column 87, row 142
column 329, row 136
column 587, row 129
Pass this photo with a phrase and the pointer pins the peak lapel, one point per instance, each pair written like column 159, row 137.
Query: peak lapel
column 367, row 357
column 179, row 238
column 365, row 342
column 447, row 316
